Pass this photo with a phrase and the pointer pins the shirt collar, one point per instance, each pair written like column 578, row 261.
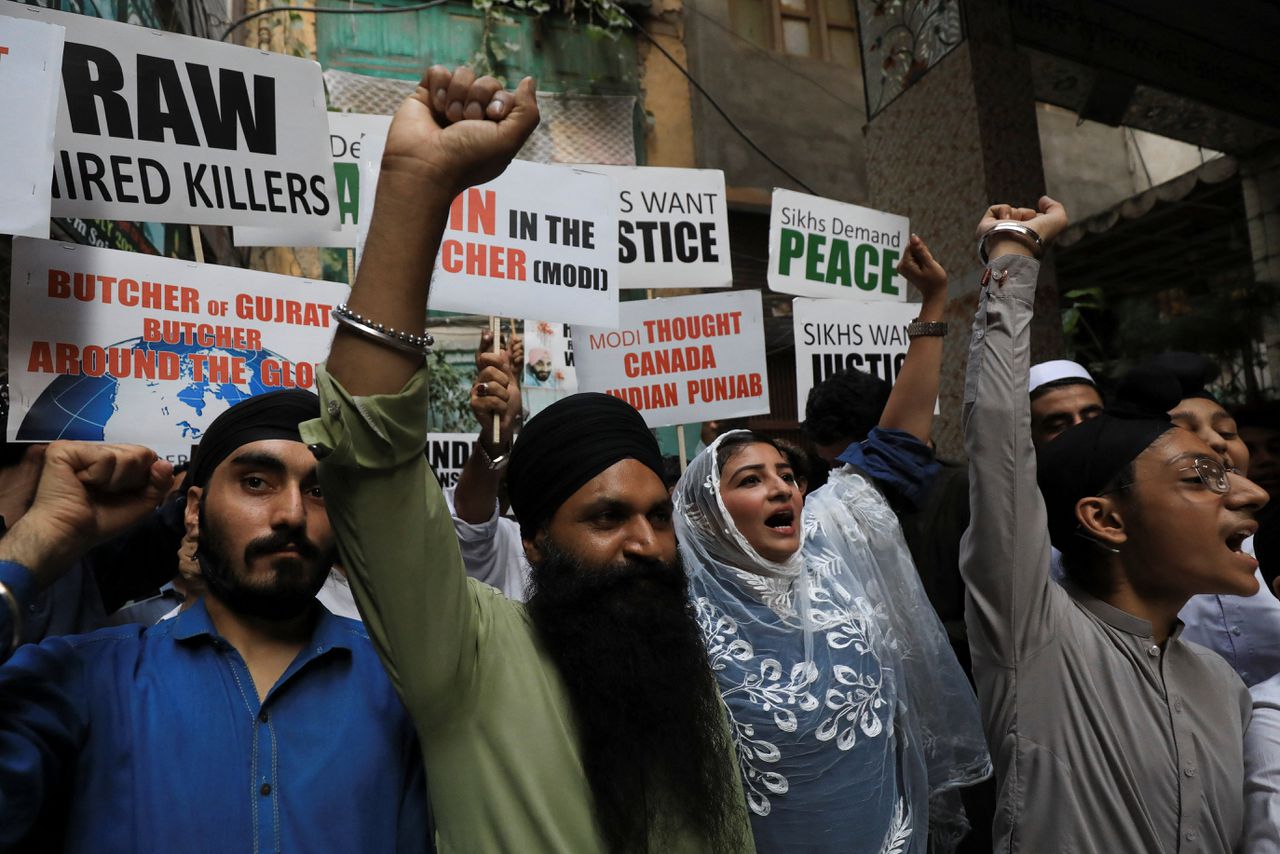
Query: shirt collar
column 330, row 632
column 1109, row 614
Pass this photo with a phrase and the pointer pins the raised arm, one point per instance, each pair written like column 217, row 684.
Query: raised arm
column 495, row 392
column 915, row 392
column 1004, row 555
column 395, row 531
column 454, row 132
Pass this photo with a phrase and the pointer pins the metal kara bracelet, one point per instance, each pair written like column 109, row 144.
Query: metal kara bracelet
column 1019, row 232
column 407, row 342
column 15, row 614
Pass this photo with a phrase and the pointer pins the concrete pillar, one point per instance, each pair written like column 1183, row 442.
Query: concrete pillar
column 963, row 137
column 1260, row 182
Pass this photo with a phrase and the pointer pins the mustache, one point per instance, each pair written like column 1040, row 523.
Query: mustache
column 280, row 540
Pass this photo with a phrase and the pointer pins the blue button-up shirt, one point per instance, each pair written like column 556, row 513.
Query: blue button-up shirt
column 133, row 739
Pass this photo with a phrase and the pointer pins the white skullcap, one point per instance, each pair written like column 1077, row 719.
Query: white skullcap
column 1059, row 369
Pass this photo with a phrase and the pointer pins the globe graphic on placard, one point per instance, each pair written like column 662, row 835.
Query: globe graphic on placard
column 108, row 409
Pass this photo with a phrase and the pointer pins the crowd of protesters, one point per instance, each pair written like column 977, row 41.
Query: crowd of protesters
column 303, row 643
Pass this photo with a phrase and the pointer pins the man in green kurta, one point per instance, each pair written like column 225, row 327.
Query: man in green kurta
column 522, row 755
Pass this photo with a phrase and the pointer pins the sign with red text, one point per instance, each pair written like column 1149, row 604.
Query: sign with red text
column 823, row 248
column 537, row 241
column 549, row 370
column 839, row 335
column 120, row 347
column 673, row 227
column 447, row 453
column 682, row 359
column 348, row 135
column 160, row 127
column 30, row 79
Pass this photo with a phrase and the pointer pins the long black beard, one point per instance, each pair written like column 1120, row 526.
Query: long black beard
column 649, row 714
column 293, row 594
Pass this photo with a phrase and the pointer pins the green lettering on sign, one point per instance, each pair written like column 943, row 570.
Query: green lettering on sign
column 347, row 186
column 889, row 270
column 863, row 256
column 792, row 247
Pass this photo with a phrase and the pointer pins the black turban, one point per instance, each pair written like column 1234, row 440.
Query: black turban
column 1192, row 371
column 566, row 445
column 275, row 415
column 1082, row 460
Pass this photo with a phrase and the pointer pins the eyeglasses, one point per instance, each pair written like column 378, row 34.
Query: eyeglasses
column 1212, row 474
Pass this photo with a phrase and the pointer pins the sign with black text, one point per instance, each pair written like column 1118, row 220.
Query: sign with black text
column 447, row 453
column 837, row 335
column 348, row 135
column 823, row 248
column 160, row 127
column 673, row 227
column 30, row 59
column 680, row 360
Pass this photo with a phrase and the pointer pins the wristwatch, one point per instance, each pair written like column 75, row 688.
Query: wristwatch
column 497, row 463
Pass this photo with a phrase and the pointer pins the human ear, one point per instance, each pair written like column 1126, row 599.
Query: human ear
column 1101, row 521
column 191, row 514
column 532, row 552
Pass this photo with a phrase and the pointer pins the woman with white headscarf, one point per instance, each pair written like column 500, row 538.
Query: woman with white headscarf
column 853, row 722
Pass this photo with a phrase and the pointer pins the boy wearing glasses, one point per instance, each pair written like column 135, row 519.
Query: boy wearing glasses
column 1109, row 732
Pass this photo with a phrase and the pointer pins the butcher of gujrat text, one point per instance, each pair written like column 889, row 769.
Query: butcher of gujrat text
column 181, row 316
column 685, row 346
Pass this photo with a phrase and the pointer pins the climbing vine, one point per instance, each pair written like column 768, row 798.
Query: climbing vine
column 602, row 17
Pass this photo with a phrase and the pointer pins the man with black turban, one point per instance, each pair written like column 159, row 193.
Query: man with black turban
column 1109, row 731
column 254, row 720
column 589, row 719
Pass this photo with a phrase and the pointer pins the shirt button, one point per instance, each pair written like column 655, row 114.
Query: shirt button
column 1190, row 770
column 266, row 789
column 1153, row 650
column 1235, row 630
column 1191, row 835
column 333, row 408
column 262, row 716
column 1177, row 705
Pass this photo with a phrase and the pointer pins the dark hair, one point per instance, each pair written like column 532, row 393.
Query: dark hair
column 807, row 466
column 733, row 445
column 844, row 407
column 1062, row 382
column 1082, row 555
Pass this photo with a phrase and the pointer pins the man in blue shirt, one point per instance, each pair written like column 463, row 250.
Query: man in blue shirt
column 255, row 720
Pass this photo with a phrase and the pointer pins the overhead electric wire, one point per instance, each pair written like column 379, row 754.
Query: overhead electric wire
column 715, row 105
column 388, row 10
column 328, row 10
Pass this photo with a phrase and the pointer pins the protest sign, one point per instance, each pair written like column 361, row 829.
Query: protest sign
column 120, row 347
column 447, row 453
column 673, row 227
column 549, row 372
column 347, row 135
column 680, row 360
column 836, row 335
column 30, row 79
column 160, row 127
column 537, row 241
column 823, row 248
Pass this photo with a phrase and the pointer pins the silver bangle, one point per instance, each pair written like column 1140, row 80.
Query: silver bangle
column 419, row 345
column 1023, row 234
column 16, row 615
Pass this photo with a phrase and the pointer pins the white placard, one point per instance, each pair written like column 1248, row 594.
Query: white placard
column 122, row 347
column 823, row 248
column 673, row 227
column 447, row 453
column 30, row 79
column 159, row 127
column 549, row 370
column 348, row 133
column 680, row 360
column 837, row 335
